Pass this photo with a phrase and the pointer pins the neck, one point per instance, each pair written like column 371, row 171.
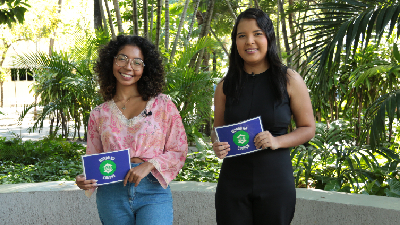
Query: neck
column 124, row 93
column 255, row 69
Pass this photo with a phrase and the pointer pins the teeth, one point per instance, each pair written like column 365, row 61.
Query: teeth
column 251, row 50
column 125, row 75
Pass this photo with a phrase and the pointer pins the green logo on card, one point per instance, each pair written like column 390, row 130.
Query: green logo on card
column 241, row 138
column 107, row 168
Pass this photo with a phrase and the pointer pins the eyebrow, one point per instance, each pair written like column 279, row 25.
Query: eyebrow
column 128, row 57
column 253, row 32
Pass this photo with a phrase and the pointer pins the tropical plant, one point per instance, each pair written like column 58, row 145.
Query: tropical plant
column 338, row 32
column 12, row 11
column 65, row 83
column 190, row 91
column 334, row 163
column 202, row 165
column 49, row 159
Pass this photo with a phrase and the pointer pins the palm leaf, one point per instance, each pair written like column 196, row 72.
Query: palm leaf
column 387, row 105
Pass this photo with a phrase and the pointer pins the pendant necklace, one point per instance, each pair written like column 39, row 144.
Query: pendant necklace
column 124, row 107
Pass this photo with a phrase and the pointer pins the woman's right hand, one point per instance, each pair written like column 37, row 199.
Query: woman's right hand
column 84, row 184
column 221, row 149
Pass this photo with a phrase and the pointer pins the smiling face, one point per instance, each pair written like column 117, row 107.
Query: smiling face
column 252, row 44
column 126, row 75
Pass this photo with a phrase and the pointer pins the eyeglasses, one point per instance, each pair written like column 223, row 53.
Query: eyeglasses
column 122, row 60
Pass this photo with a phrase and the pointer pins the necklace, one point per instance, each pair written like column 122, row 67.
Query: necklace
column 124, row 107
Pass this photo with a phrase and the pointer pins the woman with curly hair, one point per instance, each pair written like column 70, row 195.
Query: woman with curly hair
column 135, row 116
column 258, row 187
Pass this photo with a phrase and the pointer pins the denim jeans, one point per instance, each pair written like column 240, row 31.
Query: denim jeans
column 146, row 204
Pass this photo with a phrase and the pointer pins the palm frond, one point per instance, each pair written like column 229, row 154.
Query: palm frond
column 387, row 105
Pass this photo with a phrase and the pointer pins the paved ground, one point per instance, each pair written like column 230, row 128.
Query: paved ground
column 10, row 126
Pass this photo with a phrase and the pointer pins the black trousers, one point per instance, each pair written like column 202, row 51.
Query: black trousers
column 256, row 188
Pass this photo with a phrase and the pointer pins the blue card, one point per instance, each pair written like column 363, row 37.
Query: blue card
column 108, row 167
column 240, row 136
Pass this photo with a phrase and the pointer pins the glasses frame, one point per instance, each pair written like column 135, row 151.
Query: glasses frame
column 129, row 60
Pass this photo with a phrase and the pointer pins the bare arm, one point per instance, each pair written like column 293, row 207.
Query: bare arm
column 301, row 107
column 220, row 148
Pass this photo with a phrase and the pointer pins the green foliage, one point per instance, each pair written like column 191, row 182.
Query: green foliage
column 13, row 12
column 29, row 152
column 201, row 166
column 191, row 92
column 66, row 82
column 38, row 161
column 394, row 190
column 333, row 162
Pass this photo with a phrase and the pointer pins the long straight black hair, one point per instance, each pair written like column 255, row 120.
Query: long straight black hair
column 236, row 74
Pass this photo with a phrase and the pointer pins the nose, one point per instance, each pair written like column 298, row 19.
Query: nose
column 128, row 65
column 250, row 40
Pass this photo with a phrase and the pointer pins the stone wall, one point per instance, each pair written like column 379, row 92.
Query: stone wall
column 63, row 203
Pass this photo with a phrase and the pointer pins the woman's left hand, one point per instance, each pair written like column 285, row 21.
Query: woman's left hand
column 265, row 140
column 136, row 174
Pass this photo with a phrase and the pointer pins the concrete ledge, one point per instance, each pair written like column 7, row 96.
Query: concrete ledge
column 61, row 202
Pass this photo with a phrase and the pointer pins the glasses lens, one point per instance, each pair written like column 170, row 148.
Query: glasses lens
column 122, row 60
column 137, row 63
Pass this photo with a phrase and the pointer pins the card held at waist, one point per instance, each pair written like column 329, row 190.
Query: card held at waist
column 240, row 136
column 108, row 167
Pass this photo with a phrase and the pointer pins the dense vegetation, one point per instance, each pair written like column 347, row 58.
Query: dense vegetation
column 346, row 51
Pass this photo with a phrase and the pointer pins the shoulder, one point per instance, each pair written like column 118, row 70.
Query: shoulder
column 295, row 82
column 220, row 88
column 100, row 109
column 161, row 99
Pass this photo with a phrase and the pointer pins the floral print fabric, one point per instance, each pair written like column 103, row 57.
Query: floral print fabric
column 156, row 135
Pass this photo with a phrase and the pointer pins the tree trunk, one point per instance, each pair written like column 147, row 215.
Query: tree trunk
column 135, row 18
column 284, row 31
column 113, row 36
column 97, row 15
column 230, row 9
column 196, row 6
column 219, row 41
column 54, row 34
column 277, row 33
column 118, row 15
column 206, row 62
column 51, row 126
column 360, row 108
column 158, row 25
column 204, row 31
column 181, row 22
column 214, row 62
column 145, row 20
column 256, row 5
column 151, row 22
column 103, row 17
column 2, row 93
column 166, row 39
column 292, row 25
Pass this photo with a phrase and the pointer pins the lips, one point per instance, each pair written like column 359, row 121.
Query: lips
column 251, row 50
column 126, row 75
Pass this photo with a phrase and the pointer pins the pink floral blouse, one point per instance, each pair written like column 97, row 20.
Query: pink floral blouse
column 156, row 135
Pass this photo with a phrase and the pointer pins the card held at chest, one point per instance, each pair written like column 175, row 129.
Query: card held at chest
column 108, row 167
column 240, row 136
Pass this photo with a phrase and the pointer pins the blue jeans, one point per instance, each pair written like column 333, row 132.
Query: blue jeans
column 148, row 203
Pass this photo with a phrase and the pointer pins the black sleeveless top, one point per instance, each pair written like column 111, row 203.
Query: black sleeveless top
column 258, row 98
column 264, row 178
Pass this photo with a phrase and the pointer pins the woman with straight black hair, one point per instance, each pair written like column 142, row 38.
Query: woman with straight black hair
column 258, row 188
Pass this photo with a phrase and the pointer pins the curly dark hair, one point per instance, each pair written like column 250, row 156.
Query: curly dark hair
column 236, row 74
column 152, row 81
